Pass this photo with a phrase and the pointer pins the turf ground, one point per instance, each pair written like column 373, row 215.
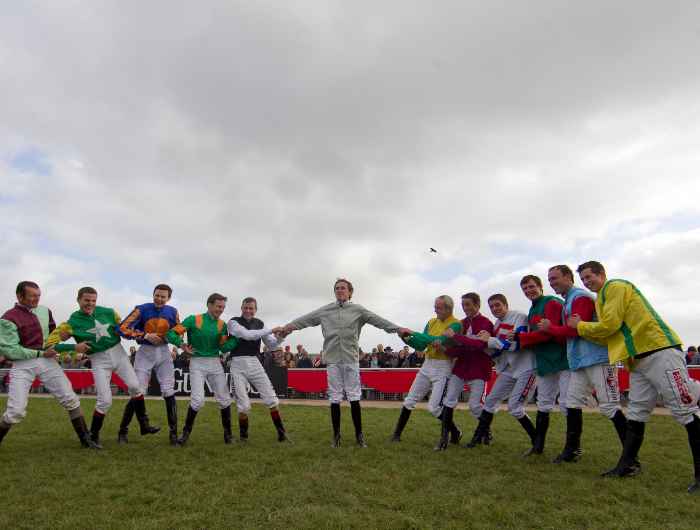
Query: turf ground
column 48, row 481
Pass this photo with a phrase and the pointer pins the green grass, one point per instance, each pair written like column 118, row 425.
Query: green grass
column 48, row 481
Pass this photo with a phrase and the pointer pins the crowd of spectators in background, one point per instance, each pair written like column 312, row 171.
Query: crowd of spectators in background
column 300, row 359
column 381, row 357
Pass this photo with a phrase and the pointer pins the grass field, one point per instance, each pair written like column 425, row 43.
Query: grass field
column 48, row 481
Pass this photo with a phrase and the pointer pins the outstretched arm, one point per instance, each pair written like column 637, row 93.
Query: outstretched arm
column 266, row 334
column 372, row 318
column 379, row 322
column 306, row 321
column 235, row 329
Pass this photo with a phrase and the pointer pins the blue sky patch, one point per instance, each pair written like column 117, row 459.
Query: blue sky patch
column 31, row 160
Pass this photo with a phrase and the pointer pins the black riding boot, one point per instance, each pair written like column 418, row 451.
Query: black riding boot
column 171, row 411
column 96, row 425
column 122, row 437
column 446, row 423
column 279, row 426
column 4, row 429
column 455, row 432
column 572, row 447
column 243, row 427
column 356, row 412
column 83, row 434
column 620, row 422
column 526, row 424
column 482, row 430
column 628, row 465
column 401, row 424
column 541, row 428
column 142, row 417
column 693, row 429
column 335, row 422
column 226, row 424
column 189, row 424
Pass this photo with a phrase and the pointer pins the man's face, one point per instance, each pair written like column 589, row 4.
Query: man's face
column 593, row 282
column 30, row 297
column 441, row 309
column 498, row 308
column 216, row 308
column 87, row 303
column 531, row 290
column 559, row 283
column 470, row 308
column 160, row 297
column 342, row 293
column 248, row 310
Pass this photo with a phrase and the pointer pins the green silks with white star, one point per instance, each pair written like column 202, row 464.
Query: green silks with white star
column 96, row 329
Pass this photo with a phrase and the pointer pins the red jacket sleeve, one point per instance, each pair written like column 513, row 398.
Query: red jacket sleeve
column 583, row 306
column 482, row 324
column 455, row 351
column 474, row 344
column 552, row 312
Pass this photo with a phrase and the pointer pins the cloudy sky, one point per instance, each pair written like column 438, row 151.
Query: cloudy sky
column 266, row 148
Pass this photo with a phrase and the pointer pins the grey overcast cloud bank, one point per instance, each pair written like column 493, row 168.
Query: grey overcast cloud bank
column 267, row 148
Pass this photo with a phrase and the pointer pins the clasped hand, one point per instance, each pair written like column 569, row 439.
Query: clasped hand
column 483, row 335
column 281, row 332
column 573, row 320
column 153, row 338
column 404, row 332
